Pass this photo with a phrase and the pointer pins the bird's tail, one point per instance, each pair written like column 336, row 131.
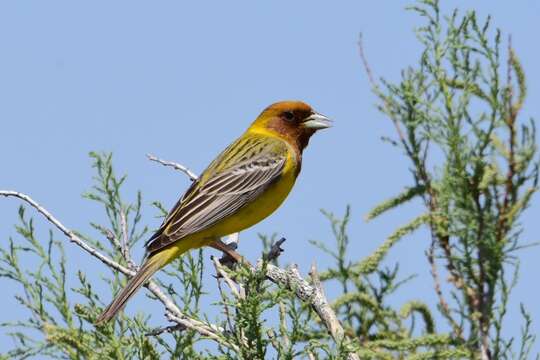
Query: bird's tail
column 152, row 264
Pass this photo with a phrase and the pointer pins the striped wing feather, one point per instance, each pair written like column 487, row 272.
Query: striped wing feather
column 225, row 186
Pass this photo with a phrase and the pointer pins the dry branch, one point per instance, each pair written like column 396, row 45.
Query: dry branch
column 191, row 175
column 310, row 294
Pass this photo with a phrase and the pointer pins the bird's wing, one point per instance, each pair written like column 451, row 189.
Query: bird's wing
column 241, row 173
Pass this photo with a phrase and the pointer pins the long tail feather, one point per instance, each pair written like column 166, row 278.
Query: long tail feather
column 153, row 264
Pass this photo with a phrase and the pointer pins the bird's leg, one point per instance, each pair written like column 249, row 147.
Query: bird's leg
column 229, row 251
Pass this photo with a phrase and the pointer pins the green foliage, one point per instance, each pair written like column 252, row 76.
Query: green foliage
column 66, row 326
column 475, row 169
column 474, row 164
column 259, row 319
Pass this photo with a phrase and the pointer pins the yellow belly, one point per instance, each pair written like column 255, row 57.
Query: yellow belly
column 256, row 211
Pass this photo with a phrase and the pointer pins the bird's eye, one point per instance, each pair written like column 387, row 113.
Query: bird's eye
column 288, row 115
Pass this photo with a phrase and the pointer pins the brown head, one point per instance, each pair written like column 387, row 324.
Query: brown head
column 294, row 121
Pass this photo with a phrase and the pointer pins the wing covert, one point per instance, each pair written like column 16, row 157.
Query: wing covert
column 222, row 190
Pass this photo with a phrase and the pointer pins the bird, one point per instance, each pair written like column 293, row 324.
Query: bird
column 246, row 183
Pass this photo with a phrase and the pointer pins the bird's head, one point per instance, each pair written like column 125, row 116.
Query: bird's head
column 294, row 121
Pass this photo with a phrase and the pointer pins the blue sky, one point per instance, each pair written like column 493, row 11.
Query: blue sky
column 183, row 79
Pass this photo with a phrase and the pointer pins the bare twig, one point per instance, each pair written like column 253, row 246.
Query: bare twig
column 124, row 240
column 109, row 235
column 192, row 176
column 365, row 62
column 209, row 332
column 74, row 238
column 377, row 90
column 283, row 325
column 274, row 340
column 323, row 308
column 226, row 310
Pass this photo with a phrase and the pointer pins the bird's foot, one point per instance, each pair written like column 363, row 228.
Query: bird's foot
column 230, row 256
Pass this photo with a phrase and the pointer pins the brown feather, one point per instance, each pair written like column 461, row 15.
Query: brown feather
column 151, row 265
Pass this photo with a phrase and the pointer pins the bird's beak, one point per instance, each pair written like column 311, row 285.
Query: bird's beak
column 317, row 121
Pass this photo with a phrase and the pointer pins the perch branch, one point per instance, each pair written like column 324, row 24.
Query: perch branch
column 310, row 294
